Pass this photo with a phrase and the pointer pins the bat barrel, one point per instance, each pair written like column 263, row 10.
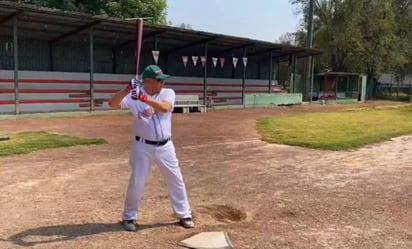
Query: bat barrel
column 139, row 34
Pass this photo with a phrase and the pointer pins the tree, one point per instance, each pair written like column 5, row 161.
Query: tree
column 69, row 5
column 185, row 26
column 296, row 38
column 403, row 64
column 376, row 43
column 358, row 35
column 155, row 9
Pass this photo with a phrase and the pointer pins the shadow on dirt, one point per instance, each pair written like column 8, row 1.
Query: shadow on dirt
column 50, row 234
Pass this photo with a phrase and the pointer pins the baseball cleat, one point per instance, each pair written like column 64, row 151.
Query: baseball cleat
column 129, row 225
column 187, row 222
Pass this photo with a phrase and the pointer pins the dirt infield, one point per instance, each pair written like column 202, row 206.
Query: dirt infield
column 264, row 196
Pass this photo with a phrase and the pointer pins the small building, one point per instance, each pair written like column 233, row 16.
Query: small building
column 340, row 87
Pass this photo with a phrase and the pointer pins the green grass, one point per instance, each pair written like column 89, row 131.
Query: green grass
column 342, row 130
column 26, row 142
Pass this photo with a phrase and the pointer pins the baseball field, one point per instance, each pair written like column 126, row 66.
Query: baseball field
column 263, row 195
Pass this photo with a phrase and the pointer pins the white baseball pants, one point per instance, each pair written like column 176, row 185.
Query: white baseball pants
column 141, row 160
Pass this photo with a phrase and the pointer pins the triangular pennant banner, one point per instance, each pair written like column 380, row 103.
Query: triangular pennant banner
column 244, row 61
column 185, row 59
column 155, row 54
column 203, row 60
column 234, row 62
column 214, row 61
column 222, row 61
column 195, row 58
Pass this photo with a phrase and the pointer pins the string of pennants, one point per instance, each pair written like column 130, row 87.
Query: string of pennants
column 195, row 59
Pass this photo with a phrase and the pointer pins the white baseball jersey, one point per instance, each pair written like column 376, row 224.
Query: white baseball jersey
column 147, row 124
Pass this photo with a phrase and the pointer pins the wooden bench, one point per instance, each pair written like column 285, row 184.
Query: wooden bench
column 189, row 103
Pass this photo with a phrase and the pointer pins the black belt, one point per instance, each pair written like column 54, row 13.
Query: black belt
column 158, row 143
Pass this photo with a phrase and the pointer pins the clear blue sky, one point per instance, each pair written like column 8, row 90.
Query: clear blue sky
column 256, row 19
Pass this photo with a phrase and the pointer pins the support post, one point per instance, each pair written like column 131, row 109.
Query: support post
column 243, row 78
column 336, row 87
column 114, row 60
column 155, row 42
column 205, row 77
column 91, row 71
column 166, row 62
column 270, row 72
column 278, row 72
column 293, row 83
column 51, row 66
column 16, row 67
column 311, row 79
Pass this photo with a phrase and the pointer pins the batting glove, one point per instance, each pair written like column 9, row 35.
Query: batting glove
column 142, row 97
column 133, row 84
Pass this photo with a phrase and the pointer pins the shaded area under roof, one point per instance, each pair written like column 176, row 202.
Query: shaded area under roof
column 54, row 26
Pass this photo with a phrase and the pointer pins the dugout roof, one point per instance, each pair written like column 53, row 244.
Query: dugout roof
column 54, row 26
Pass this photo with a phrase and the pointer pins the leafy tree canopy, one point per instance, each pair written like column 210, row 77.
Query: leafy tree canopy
column 367, row 36
column 154, row 10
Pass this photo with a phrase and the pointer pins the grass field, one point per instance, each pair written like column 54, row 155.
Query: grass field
column 26, row 142
column 339, row 130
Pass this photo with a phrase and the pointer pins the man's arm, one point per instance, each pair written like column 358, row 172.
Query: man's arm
column 159, row 106
column 114, row 102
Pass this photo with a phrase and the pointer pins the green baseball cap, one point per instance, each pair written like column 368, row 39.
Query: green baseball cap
column 154, row 72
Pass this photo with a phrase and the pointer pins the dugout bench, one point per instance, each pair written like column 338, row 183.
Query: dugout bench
column 186, row 103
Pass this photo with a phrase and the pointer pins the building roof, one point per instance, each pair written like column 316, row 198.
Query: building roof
column 55, row 25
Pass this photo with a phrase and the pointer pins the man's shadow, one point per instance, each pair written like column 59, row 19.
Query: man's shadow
column 49, row 234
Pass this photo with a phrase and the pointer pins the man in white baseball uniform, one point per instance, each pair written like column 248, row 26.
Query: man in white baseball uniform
column 152, row 106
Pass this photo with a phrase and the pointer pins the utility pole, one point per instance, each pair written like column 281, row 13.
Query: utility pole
column 307, row 95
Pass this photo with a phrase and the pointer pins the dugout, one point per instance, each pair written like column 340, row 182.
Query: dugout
column 339, row 87
column 53, row 60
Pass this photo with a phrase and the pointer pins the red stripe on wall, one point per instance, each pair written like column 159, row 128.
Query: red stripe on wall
column 59, row 91
column 110, row 82
column 43, row 101
column 114, row 82
column 238, row 91
column 215, row 84
column 53, row 91
column 183, row 84
column 6, row 90
column 229, row 97
column 217, row 91
column 188, row 91
column 7, row 102
column 217, row 97
column 201, row 84
column 54, row 81
column 52, row 101
column 106, row 90
column 47, row 101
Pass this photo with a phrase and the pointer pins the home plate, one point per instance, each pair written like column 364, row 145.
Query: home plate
column 208, row 240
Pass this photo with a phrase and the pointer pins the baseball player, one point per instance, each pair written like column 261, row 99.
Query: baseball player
column 152, row 105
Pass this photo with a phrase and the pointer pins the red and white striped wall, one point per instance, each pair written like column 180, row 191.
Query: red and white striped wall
column 41, row 91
